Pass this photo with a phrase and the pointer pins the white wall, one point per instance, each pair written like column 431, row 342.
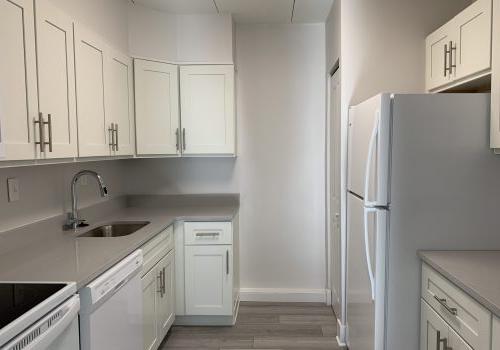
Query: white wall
column 108, row 18
column 279, row 171
column 45, row 190
column 332, row 36
column 180, row 38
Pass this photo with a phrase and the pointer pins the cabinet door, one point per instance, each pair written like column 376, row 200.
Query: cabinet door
column 455, row 342
column 437, row 58
column 92, row 125
column 473, row 38
column 495, row 81
column 208, row 280
column 166, row 300
column 495, row 334
column 207, row 105
column 150, row 306
column 157, row 108
column 433, row 329
column 56, row 85
column 18, row 95
column 119, row 105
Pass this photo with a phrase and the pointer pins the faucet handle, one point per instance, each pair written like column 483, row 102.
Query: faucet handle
column 82, row 223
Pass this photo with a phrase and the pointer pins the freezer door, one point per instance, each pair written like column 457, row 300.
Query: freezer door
column 369, row 150
column 366, row 275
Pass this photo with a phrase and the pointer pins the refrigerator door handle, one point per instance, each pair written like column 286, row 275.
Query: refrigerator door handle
column 367, row 211
column 373, row 141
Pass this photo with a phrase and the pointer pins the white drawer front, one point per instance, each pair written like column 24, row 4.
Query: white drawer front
column 466, row 316
column 207, row 233
column 157, row 247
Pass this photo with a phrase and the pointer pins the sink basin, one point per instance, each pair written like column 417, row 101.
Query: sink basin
column 115, row 229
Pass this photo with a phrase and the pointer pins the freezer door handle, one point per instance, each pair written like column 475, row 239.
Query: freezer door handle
column 371, row 146
column 367, row 211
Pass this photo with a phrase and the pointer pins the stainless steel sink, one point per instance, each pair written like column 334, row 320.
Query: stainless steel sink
column 115, row 229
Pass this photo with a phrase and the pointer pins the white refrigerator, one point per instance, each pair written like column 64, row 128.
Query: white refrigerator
column 420, row 175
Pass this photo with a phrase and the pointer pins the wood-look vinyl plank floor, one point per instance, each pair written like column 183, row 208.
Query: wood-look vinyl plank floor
column 263, row 326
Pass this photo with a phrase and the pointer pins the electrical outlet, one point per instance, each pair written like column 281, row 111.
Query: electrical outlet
column 13, row 189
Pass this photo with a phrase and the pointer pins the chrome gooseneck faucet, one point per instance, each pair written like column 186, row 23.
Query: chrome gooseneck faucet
column 74, row 221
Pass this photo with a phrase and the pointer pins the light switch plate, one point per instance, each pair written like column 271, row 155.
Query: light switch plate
column 13, row 187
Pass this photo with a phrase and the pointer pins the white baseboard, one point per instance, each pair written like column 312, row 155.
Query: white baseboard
column 342, row 334
column 328, row 295
column 283, row 295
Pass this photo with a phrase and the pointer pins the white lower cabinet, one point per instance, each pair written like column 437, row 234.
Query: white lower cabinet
column 158, row 289
column 209, row 281
column 207, row 273
column 495, row 339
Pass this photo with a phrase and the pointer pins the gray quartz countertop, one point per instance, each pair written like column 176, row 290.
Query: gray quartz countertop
column 477, row 273
column 44, row 252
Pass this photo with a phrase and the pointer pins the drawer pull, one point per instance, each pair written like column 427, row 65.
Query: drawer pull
column 443, row 303
column 207, row 234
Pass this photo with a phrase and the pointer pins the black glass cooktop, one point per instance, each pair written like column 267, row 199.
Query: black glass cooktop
column 18, row 298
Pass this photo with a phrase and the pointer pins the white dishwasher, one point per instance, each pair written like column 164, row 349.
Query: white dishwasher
column 111, row 308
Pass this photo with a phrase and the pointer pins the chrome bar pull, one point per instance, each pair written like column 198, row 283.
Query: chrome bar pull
column 207, row 234
column 116, row 137
column 159, row 278
column 111, row 131
column 177, row 139
column 445, row 59
column 49, row 124
column 443, row 303
column 41, row 132
column 163, row 283
column 227, row 262
column 443, row 341
column 184, row 139
column 451, row 57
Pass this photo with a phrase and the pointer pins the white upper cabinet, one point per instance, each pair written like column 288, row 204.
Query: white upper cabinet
column 157, row 108
column 460, row 51
column 437, row 57
column 473, row 41
column 119, row 106
column 56, row 84
column 207, row 107
column 495, row 82
column 92, row 124
column 18, row 94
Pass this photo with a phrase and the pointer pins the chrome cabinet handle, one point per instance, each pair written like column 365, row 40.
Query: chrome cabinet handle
column 159, row 278
column 444, row 341
column 452, row 65
column 207, row 234
column 443, row 303
column 111, row 131
column 177, row 139
column 445, row 59
column 163, row 283
column 184, row 139
column 227, row 262
column 49, row 124
column 116, row 138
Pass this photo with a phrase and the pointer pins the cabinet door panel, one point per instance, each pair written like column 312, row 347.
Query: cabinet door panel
column 457, row 343
column 208, row 280
column 166, row 302
column 92, row 126
column 495, row 339
column 473, row 27
column 431, row 325
column 437, row 59
column 207, row 105
column 18, row 95
column 157, row 108
column 119, row 97
column 150, row 307
column 56, row 77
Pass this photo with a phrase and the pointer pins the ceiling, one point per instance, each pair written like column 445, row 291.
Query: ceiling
column 249, row 11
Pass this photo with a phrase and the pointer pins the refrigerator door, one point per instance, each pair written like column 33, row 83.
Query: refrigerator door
column 366, row 275
column 369, row 150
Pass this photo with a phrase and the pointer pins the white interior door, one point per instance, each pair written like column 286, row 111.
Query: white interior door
column 92, row 125
column 157, row 108
column 56, row 84
column 208, row 112
column 119, row 102
column 334, row 209
column 18, row 87
column 208, row 280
